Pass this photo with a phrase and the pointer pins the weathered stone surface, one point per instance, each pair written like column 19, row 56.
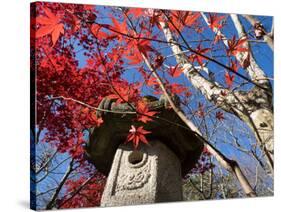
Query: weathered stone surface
column 150, row 174
column 105, row 140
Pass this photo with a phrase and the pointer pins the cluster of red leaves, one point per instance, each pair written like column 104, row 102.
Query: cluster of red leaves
column 137, row 135
column 215, row 21
column 51, row 24
column 175, row 71
column 58, row 73
column 124, row 92
column 182, row 19
column 144, row 114
column 119, row 28
column 83, row 192
column 236, row 46
column 135, row 50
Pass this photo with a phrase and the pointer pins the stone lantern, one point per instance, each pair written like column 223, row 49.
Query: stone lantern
column 151, row 173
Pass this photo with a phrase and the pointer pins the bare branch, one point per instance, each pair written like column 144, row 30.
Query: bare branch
column 89, row 106
column 51, row 203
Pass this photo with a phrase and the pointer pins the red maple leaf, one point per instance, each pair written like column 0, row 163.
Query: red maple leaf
column 219, row 116
column 229, row 79
column 234, row 65
column 151, row 81
column 51, row 24
column 236, row 46
column 197, row 57
column 97, row 121
column 124, row 93
column 119, row 27
column 136, row 12
column 181, row 19
column 144, row 46
column 137, row 135
column 200, row 112
column 134, row 57
column 176, row 88
column 136, row 48
column 175, row 71
column 144, row 113
column 215, row 21
column 190, row 18
column 97, row 32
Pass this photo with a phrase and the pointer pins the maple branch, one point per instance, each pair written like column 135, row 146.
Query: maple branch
column 185, row 47
column 58, row 165
column 120, row 112
column 267, row 37
column 215, row 61
column 51, row 204
column 90, row 106
column 46, row 163
column 211, row 90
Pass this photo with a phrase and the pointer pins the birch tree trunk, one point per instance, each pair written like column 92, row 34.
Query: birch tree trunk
column 254, row 107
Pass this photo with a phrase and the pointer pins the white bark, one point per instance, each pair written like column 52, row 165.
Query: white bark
column 262, row 113
column 242, row 104
column 208, row 89
column 254, row 71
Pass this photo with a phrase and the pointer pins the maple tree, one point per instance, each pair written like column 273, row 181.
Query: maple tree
column 82, row 54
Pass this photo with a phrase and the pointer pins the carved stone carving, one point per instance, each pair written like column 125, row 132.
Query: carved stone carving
column 135, row 179
column 151, row 174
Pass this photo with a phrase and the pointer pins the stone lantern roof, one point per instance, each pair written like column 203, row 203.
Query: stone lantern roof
column 167, row 128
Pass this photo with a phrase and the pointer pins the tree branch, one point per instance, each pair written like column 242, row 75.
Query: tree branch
column 267, row 37
column 52, row 202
